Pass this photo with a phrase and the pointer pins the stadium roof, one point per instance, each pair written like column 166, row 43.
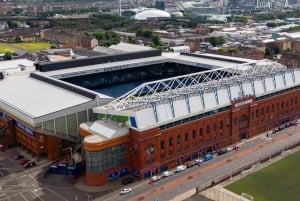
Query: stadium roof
column 35, row 100
column 208, row 61
column 16, row 63
column 159, row 102
column 149, row 14
column 127, row 47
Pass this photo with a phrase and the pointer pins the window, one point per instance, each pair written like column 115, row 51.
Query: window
column 207, row 129
column 186, row 137
column 194, row 134
column 201, row 132
column 215, row 127
column 150, row 149
column 171, row 142
column 221, row 124
column 273, row 107
column 268, row 109
column 178, row 139
column 162, row 145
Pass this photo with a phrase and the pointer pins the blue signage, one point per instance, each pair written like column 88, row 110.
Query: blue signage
column 25, row 128
column 3, row 115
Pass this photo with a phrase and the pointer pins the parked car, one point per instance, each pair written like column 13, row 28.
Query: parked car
column 23, row 161
column 18, row 157
column 208, row 157
column 190, row 164
column 155, row 178
column 222, row 151
column 167, row 173
column 198, row 161
column 125, row 191
column 29, row 164
column 180, row 168
column 127, row 180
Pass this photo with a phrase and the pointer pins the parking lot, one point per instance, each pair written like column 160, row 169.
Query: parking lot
column 27, row 184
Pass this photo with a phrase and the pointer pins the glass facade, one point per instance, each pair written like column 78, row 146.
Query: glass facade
column 100, row 161
column 66, row 126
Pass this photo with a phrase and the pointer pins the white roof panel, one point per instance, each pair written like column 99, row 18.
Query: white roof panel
column 164, row 112
column 247, row 88
column 145, row 118
column 279, row 82
column 37, row 98
column 209, row 100
column 269, row 84
column 223, row 96
column 289, row 79
column 195, row 104
column 102, row 129
column 259, row 89
column 180, row 108
column 235, row 90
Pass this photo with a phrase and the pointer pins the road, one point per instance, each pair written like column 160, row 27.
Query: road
column 171, row 188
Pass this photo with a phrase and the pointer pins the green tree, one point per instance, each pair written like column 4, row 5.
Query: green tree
column 7, row 56
column 100, row 36
column 215, row 41
column 156, row 41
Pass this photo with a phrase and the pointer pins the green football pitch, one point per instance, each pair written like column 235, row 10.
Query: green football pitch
column 279, row 181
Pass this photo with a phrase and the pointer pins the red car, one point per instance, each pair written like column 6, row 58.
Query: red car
column 23, row 161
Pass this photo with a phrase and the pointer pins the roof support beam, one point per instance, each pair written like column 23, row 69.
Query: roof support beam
column 274, row 81
column 187, row 101
column 214, row 89
column 153, row 105
column 171, row 103
column 202, row 99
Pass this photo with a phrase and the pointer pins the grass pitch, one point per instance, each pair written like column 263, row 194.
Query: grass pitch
column 4, row 48
column 32, row 46
column 279, row 181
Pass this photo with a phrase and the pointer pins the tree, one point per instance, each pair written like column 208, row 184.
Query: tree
column 268, row 51
column 156, row 40
column 215, row 41
column 7, row 56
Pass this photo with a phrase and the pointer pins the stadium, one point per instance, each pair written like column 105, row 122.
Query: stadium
column 141, row 112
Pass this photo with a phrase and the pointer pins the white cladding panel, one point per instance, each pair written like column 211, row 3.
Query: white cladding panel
column 209, row 100
column 104, row 130
column 289, row 79
column 297, row 77
column 269, row 84
column 145, row 118
column 279, row 81
column 247, row 88
column 195, row 104
column 235, row 90
column 223, row 96
column 180, row 108
column 258, row 85
column 164, row 112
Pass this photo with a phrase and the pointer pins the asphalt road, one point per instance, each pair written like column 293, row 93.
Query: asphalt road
column 17, row 184
column 172, row 187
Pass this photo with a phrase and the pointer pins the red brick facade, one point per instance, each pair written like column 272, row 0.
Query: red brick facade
column 247, row 117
